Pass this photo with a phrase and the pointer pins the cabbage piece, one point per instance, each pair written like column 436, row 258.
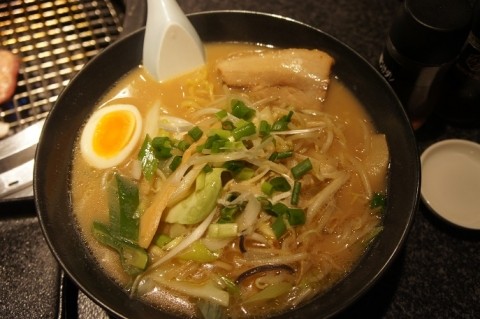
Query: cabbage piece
column 201, row 202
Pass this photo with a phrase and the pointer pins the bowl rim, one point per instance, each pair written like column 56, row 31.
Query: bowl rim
column 387, row 257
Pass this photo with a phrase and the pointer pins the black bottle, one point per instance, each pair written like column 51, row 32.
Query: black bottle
column 459, row 90
column 423, row 40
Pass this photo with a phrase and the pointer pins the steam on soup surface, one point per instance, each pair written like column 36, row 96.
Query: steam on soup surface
column 244, row 197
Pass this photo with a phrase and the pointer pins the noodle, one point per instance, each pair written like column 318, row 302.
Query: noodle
column 255, row 201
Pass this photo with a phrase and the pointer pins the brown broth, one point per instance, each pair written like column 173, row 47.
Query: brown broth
column 90, row 202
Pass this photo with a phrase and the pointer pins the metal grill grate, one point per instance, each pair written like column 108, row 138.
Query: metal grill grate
column 54, row 39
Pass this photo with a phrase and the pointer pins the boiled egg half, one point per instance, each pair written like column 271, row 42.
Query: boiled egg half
column 110, row 135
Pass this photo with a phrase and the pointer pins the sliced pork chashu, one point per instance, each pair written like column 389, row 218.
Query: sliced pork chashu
column 297, row 76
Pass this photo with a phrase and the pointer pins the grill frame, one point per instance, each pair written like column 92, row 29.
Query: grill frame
column 54, row 39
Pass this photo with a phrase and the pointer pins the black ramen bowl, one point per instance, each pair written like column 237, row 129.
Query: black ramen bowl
column 52, row 174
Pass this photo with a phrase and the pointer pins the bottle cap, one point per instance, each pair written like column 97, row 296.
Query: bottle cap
column 431, row 32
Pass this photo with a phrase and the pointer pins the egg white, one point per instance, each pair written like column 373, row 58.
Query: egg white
column 86, row 140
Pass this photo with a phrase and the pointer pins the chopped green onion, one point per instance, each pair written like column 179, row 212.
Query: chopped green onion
column 279, row 227
column 378, row 201
column 228, row 214
column 267, row 188
column 234, row 146
column 162, row 240
column 280, row 155
column 175, row 163
column 209, row 142
column 218, row 146
column 264, row 128
column 245, row 174
column 279, row 209
column 207, row 169
column 266, row 204
column 163, row 146
column 195, row 133
column 282, row 123
column 234, row 166
column 296, row 216
column 161, row 141
column 223, row 134
column 240, row 110
column 301, row 168
column 221, row 114
column 241, row 123
column 297, row 186
column 280, row 184
column 244, row 131
column 183, row 145
column 276, row 184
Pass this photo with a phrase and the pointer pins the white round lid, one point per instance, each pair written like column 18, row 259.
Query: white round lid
column 451, row 181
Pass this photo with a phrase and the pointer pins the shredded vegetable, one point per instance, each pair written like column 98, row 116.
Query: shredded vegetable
column 239, row 205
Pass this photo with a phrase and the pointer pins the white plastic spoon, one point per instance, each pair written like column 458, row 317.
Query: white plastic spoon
column 171, row 46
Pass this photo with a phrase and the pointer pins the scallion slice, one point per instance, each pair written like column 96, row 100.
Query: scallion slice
column 240, row 110
column 279, row 227
column 264, row 128
column 195, row 133
column 296, row 216
column 297, row 186
column 221, row 114
column 175, row 163
column 280, row 155
column 282, row 123
column 244, row 131
column 301, row 168
column 280, row 184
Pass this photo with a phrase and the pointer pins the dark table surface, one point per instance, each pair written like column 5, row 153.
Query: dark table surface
column 436, row 275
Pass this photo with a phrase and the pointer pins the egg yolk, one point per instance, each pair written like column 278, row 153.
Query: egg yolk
column 113, row 132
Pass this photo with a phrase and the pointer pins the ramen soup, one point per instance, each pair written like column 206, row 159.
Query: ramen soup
column 242, row 189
